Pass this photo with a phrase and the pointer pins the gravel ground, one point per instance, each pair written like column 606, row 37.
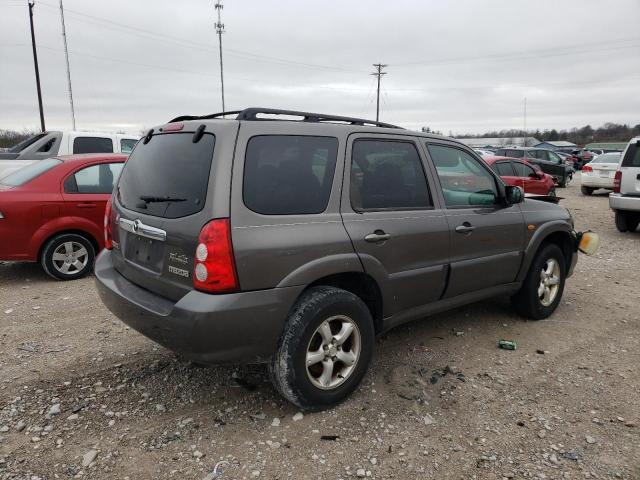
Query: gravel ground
column 83, row 396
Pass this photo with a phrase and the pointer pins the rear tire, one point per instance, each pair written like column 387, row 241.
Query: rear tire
column 586, row 190
column 68, row 256
column 311, row 368
column 622, row 221
column 632, row 221
column 543, row 286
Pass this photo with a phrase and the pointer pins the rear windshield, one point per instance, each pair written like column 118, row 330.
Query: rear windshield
column 632, row 156
column 607, row 158
column 28, row 173
column 167, row 177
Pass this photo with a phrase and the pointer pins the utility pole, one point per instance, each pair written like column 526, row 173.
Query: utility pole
column 525, row 122
column 35, row 64
column 220, row 30
column 378, row 73
column 66, row 56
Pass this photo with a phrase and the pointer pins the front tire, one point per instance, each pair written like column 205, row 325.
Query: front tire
column 68, row 256
column 543, row 286
column 325, row 348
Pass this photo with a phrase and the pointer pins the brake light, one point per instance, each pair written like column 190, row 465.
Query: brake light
column 214, row 269
column 108, row 239
column 587, row 168
column 617, row 181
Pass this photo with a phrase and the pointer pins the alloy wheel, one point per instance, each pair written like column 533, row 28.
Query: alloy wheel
column 549, row 282
column 69, row 258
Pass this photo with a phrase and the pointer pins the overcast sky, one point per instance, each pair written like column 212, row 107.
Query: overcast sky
column 459, row 66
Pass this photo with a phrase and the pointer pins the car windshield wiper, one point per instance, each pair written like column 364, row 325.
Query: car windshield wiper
column 151, row 199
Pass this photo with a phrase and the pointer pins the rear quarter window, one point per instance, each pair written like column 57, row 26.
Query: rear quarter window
column 289, row 174
column 632, row 156
column 168, row 176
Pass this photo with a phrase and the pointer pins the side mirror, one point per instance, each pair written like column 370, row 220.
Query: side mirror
column 513, row 194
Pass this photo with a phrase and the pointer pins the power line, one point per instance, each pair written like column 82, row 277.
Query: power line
column 378, row 73
column 220, row 30
column 66, row 56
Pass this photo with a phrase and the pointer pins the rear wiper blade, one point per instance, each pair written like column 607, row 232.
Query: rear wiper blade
column 151, row 199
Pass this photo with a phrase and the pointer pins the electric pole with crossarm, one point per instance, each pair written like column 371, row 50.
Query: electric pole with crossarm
column 378, row 73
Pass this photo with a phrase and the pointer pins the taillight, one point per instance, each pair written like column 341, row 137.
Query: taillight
column 108, row 239
column 587, row 168
column 214, row 269
column 617, row 181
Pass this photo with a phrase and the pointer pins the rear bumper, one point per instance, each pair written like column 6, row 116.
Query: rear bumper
column 599, row 182
column 211, row 329
column 617, row 201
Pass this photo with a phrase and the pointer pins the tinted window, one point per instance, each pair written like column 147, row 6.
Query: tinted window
column 288, row 174
column 503, row 169
column 387, row 175
column 25, row 143
column 94, row 179
column 514, row 153
column 167, row 177
column 92, row 145
column 47, row 146
column 127, row 144
column 632, row 156
column 464, row 180
column 28, row 173
column 523, row 170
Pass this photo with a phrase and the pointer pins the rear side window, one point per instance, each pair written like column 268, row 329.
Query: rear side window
column 28, row 173
column 387, row 175
column 515, row 153
column 94, row 179
column 503, row 169
column 523, row 170
column 289, row 174
column 632, row 156
column 168, row 176
column 92, row 145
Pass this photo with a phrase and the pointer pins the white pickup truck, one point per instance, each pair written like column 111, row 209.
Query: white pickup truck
column 55, row 143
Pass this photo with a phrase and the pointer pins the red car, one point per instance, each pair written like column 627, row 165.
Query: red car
column 52, row 212
column 520, row 173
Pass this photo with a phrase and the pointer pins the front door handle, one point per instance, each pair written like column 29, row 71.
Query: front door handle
column 86, row 205
column 466, row 227
column 377, row 236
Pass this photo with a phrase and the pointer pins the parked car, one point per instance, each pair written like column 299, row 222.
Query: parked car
column 600, row 173
column 52, row 212
column 548, row 161
column 520, row 173
column 625, row 199
column 295, row 243
column 483, row 153
column 56, row 143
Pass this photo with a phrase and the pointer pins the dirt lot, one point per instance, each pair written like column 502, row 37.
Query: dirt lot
column 83, row 396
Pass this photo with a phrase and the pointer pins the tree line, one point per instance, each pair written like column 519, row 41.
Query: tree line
column 609, row 132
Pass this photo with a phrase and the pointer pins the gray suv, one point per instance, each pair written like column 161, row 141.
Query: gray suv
column 297, row 242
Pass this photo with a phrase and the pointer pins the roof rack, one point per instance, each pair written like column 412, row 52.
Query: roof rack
column 252, row 114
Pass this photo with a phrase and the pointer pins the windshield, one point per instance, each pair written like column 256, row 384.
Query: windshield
column 28, row 173
column 25, row 143
column 168, row 176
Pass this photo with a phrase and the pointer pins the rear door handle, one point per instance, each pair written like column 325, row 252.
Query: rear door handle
column 466, row 227
column 86, row 205
column 377, row 236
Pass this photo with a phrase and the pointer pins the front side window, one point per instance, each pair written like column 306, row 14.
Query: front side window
column 523, row 170
column 387, row 175
column 465, row 182
column 289, row 174
column 127, row 144
column 92, row 145
column 94, row 179
column 503, row 169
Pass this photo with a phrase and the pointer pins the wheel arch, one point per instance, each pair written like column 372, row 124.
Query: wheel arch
column 559, row 234
column 360, row 284
column 83, row 233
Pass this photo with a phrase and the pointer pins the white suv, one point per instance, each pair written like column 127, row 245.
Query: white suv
column 625, row 199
